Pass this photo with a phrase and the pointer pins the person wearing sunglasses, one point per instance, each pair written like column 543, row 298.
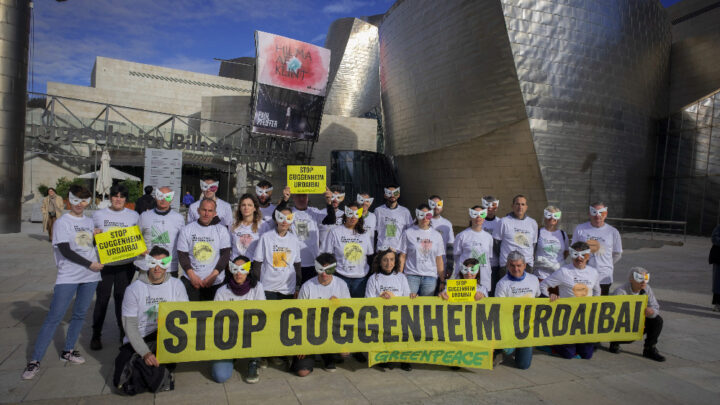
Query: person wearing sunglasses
column 392, row 220
column 243, row 285
column 263, row 191
column 445, row 227
column 209, row 186
column 324, row 286
column 638, row 284
column 474, row 243
column 518, row 232
column 421, row 250
column 78, row 274
column 604, row 241
column 160, row 226
column 137, row 374
column 577, row 279
column 492, row 222
column 517, row 283
column 552, row 246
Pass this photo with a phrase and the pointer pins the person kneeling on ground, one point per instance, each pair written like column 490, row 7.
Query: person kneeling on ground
column 517, row 283
column 324, row 286
column 136, row 368
column 638, row 284
column 242, row 286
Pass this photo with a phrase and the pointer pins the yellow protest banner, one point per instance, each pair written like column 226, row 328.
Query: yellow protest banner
column 461, row 290
column 473, row 358
column 194, row 331
column 119, row 244
column 306, row 179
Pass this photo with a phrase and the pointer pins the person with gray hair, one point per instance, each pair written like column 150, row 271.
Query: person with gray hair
column 638, row 285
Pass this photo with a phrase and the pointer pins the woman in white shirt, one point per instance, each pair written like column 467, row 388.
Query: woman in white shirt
column 241, row 286
column 421, row 250
column 477, row 244
column 552, row 245
column 245, row 231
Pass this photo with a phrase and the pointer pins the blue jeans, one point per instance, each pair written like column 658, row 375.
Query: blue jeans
column 62, row 295
column 355, row 285
column 222, row 370
column 523, row 357
column 423, row 286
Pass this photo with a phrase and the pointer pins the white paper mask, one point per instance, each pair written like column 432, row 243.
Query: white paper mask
column 575, row 254
column 434, row 204
column 486, row 204
column 420, row 214
column 351, row 213
column 259, row 191
column 596, row 213
column 152, row 262
column 470, row 270
column 362, row 200
column 159, row 195
column 551, row 215
column 640, row 277
column 338, row 197
column 243, row 268
column 76, row 201
column 475, row 213
column 209, row 186
column 392, row 193
column 280, row 217
column 329, row 269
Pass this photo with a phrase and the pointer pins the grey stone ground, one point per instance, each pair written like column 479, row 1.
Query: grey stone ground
column 681, row 278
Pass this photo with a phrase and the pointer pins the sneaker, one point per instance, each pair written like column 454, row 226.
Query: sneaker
column 614, row 348
column 31, row 370
column 498, row 358
column 263, row 363
column 252, row 374
column 330, row 366
column 653, row 354
column 406, row 366
column 96, row 343
column 72, row 356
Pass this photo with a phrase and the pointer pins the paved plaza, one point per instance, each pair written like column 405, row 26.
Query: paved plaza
column 681, row 279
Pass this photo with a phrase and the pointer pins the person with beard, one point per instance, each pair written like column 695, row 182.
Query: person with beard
column 263, row 191
column 209, row 186
column 160, row 226
column 604, row 241
column 392, row 220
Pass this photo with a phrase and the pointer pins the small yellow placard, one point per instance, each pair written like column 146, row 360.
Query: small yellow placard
column 461, row 290
column 307, row 179
column 119, row 244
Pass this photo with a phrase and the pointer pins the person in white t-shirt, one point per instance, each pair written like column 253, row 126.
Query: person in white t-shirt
column 204, row 252
column 369, row 219
column 520, row 284
column 263, row 191
column 474, row 243
column 387, row 282
column 575, row 280
column 160, row 226
column 333, row 213
column 351, row 244
column 246, row 230
column 242, row 286
column 209, row 186
column 469, row 269
column 277, row 258
column 78, row 277
column 324, row 286
column 116, row 276
column 140, row 319
column 421, row 249
column 552, row 245
column 604, row 241
column 517, row 231
column 492, row 222
column 445, row 227
column 392, row 220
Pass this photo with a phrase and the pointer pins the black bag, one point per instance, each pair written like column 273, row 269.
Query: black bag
column 132, row 376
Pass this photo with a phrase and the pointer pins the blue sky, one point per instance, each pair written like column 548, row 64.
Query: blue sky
column 181, row 34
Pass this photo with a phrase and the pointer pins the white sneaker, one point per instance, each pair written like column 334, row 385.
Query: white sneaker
column 31, row 370
column 73, row 357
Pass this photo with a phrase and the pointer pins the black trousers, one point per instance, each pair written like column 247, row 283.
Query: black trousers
column 199, row 294
column 276, row 296
column 605, row 289
column 653, row 327
column 114, row 282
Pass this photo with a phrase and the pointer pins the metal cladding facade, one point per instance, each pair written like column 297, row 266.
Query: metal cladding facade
column 14, row 35
column 590, row 78
column 354, row 87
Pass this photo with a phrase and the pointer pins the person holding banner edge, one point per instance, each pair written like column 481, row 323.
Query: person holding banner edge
column 204, row 251
column 136, row 368
column 421, row 249
column 116, row 276
column 78, row 276
column 160, row 226
column 209, row 185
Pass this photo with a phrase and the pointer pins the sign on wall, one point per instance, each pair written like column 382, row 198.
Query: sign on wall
column 163, row 167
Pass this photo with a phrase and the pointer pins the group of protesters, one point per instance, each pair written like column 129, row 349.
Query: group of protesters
column 291, row 250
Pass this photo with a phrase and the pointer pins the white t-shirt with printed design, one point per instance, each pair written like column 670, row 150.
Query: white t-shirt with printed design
column 325, row 229
column 108, row 220
column 527, row 287
column 203, row 244
column 78, row 233
column 603, row 241
column 370, row 226
column 312, row 289
column 278, row 255
column 306, row 226
column 141, row 301
column 350, row 250
column 573, row 282
column 378, row 283
column 476, row 245
column 422, row 247
column 224, row 293
column 223, row 210
column 267, row 212
column 444, row 226
column 244, row 240
column 517, row 234
column 552, row 246
column 489, row 226
column 163, row 231
column 391, row 224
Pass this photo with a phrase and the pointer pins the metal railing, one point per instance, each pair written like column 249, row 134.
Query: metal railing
column 653, row 225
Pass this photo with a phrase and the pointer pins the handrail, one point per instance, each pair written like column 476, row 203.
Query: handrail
column 652, row 223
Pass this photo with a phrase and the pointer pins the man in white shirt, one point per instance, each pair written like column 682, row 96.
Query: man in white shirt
column 324, row 286
column 209, row 186
column 204, row 251
column 517, row 231
column 492, row 222
column 445, row 227
column 334, row 212
column 160, row 226
column 604, row 241
column 263, row 191
column 392, row 220
column 140, row 318
column 369, row 219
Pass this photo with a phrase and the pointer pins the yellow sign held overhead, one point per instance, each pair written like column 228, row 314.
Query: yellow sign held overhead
column 307, row 179
column 119, row 244
column 461, row 290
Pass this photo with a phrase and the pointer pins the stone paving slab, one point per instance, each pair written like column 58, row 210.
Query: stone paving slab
column 681, row 279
